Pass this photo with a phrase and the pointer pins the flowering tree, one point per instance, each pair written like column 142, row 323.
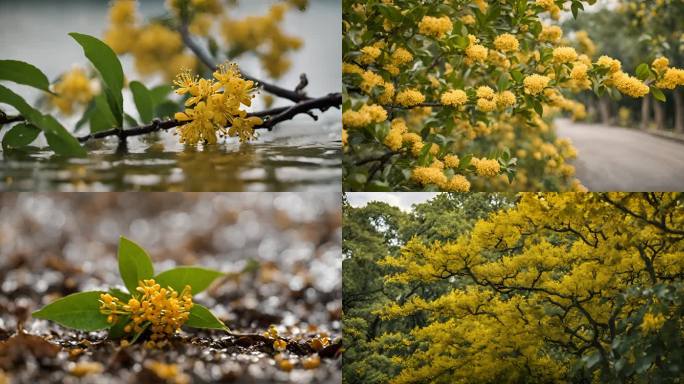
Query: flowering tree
column 215, row 96
column 451, row 95
column 560, row 288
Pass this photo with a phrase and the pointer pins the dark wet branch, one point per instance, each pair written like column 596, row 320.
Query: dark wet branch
column 272, row 117
column 4, row 119
column 294, row 95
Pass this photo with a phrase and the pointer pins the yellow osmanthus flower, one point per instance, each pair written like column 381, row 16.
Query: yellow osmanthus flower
column 535, row 84
column 458, row 183
column 410, row 97
column 215, row 103
column 369, row 55
column 660, row 64
column 401, row 56
column 551, row 33
column 454, row 97
column 651, row 322
column 505, row 99
column 163, row 310
column 475, row 52
column 563, row 55
column 451, row 161
column 367, row 114
column 672, row 78
column 429, row 175
column 629, row 85
column 263, row 35
column 506, row 43
column 435, row 26
column 486, row 167
column 73, row 88
column 608, row 62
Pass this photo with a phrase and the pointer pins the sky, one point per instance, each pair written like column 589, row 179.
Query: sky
column 403, row 200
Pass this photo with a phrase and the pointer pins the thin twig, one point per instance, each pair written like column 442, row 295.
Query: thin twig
column 4, row 119
column 276, row 115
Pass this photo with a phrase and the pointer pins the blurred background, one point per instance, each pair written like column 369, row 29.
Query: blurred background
column 281, row 251
column 301, row 154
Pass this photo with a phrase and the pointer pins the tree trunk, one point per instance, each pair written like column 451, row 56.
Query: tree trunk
column 679, row 111
column 659, row 115
column 645, row 112
column 604, row 110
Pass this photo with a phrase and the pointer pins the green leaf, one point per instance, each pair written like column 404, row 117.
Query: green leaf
column 143, row 100
column 197, row 278
column 79, row 311
column 134, row 264
column 642, row 71
column 166, row 109
column 201, row 317
column 20, row 135
column 117, row 330
column 58, row 138
column 24, row 73
column 87, row 114
column 658, row 94
column 107, row 63
column 11, row 98
column 101, row 118
column 119, row 294
column 159, row 93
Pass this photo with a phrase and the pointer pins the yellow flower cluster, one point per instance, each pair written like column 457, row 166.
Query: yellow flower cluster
column 401, row 56
column 451, row 161
column 587, row 46
column 475, row 52
column 263, row 35
column 608, row 62
column 394, row 138
column 486, row 167
column 672, row 78
column 506, row 43
column 562, row 55
column 434, row 175
column 209, row 110
column 535, row 84
column 454, row 97
column 410, row 97
column 163, row 310
column 660, row 64
column 367, row 114
column 551, row 33
column 435, row 26
column 155, row 47
column 73, row 88
column 629, row 85
column 485, row 101
column 651, row 322
column 551, row 7
column 369, row 54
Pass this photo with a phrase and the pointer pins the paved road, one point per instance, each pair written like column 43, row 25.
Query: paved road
column 619, row 159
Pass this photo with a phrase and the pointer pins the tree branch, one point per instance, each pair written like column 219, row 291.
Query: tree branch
column 275, row 115
column 4, row 119
column 296, row 95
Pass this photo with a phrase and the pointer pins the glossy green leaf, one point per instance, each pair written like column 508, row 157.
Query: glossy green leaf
column 134, row 264
column 79, row 311
column 642, row 71
column 201, row 317
column 58, row 138
column 197, row 278
column 658, row 94
column 11, row 98
column 160, row 93
column 143, row 101
column 166, row 109
column 23, row 73
column 107, row 63
column 20, row 135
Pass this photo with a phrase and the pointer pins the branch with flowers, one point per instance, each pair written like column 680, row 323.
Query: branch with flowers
column 463, row 93
column 214, row 103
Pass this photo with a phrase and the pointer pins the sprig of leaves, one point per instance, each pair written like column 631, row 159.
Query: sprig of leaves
column 82, row 310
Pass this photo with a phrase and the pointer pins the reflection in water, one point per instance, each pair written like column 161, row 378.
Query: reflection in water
column 305, row 162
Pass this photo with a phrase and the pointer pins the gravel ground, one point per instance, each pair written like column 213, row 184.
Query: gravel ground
column 281, row 252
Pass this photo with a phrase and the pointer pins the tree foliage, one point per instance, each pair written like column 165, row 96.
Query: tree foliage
column 455, row 95
column 558, row 288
